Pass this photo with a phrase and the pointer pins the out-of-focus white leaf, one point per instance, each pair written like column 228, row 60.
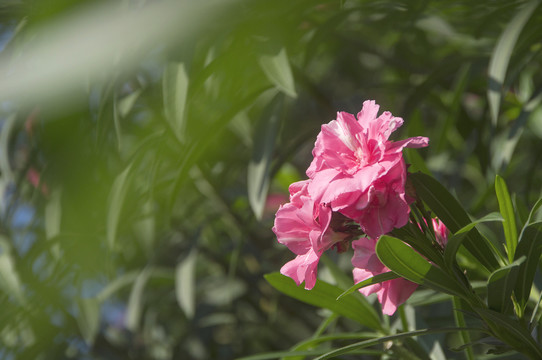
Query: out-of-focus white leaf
column 185, row 284
column 278, row 71
column 91, row 44
column 135, row 302
column 175, row 89
column 5, row 135
column 88, row 319
column 53, row 215
column 259, row 166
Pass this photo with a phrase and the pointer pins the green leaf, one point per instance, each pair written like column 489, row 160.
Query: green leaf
column 530, row 246
column 500, row 285
column 362, row 344
column 185, row 284
column 264, row 144
column 455, row 241
column 377, row 279
column 325, row 295
column 53, row 214
column 416, row 161
column 406, row 262
column 532, row 214
column 5, row 137
column 459, row 307
column 10, row 284
column 135, row 301
column 282, row 354
column 278, row 71
column 121, row 108
column 511, row 332
column 117, row 284
column 450, row 211
column 88, row 319
column 175, row 89
column 507, row 212
column 500, row 57
column 316, row 340
column 116, row 201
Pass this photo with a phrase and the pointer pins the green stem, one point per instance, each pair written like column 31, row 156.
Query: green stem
column 460, row 322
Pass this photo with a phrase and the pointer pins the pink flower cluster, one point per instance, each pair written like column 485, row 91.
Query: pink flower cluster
column 357, row 178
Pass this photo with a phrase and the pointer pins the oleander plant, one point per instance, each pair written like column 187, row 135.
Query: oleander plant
column 270, row 179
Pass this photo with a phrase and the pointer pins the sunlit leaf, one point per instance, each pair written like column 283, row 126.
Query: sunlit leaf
column 507, row 211
column 5, row 137
column 175, row 89
column 134, row 308
column 75, row 50
column 117, row 284
column 185, row 284
column 325, row 296
column 501, row 56
column 362, row 344
column 121, row 108
column 406, row 262
column 53, row 214
column 377, row 279
column 264, row 145
column 278, row 71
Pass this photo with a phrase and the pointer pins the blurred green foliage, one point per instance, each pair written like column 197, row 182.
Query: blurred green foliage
column 147, row 233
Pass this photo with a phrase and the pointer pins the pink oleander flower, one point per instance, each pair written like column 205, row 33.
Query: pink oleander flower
column 391, row 293
column 359, row 172
column 441, row 232
column 303, row 227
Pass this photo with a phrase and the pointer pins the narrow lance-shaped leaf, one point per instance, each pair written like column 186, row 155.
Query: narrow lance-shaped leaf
column 175, row 90
column 325, row 295
column 88, row 319
column 5, row 136
column 264, row 145
column 500, row 285
column 377, row 279
column 121, row 108
column 10, row 284
column 116, row 201
column 532, row 214
column 383, row 339
column 278, row 71
column 455, row 241
column 53, row 214
column 450, row 211
column 507, row 212
column 406, row 262
column 512, row 332
column 500, row 57
column 135, row 302
column 185, row 282
column 530, row 246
